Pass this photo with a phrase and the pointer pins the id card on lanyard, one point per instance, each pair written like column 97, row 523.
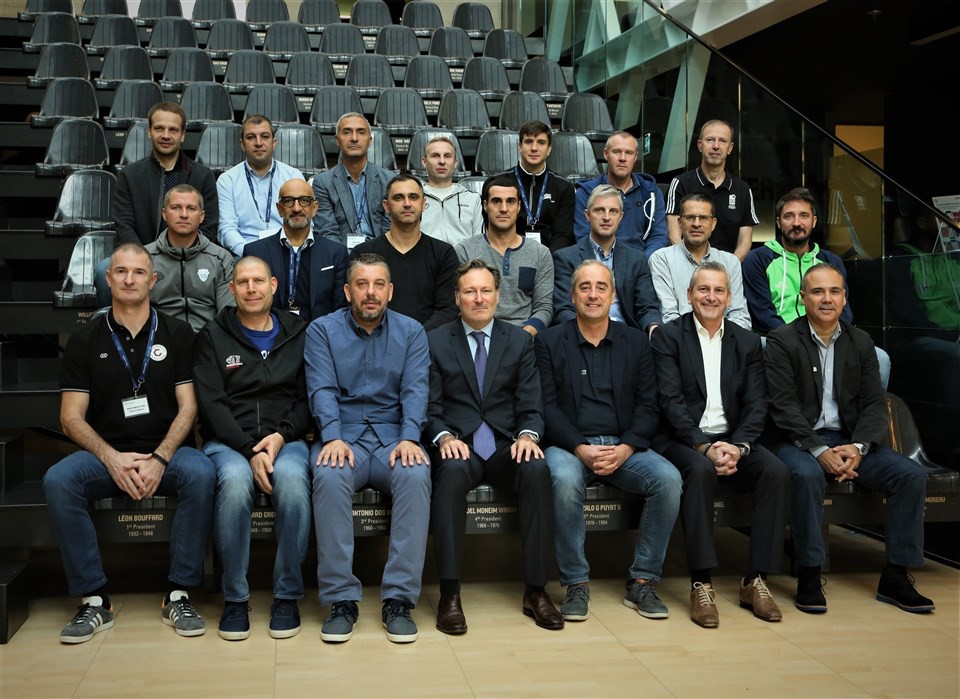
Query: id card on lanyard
column 292, row 275
column 136, row 404
column 533, row 217
column 253, row 194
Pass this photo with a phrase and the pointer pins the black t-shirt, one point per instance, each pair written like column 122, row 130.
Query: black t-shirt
column 91, row 365
column 732, row 200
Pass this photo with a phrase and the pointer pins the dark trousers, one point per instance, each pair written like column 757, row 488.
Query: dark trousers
column 528, row 480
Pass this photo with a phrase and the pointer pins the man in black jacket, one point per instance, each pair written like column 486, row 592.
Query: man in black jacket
column 254, row 415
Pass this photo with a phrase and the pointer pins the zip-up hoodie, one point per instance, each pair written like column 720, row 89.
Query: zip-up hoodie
column 771, row 283
column 452, row 214
column 192, row 283
column 244, row 396
column 644, row 223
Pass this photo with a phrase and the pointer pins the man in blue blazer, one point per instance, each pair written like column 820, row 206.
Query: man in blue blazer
column 636, row 301
column 310, row 270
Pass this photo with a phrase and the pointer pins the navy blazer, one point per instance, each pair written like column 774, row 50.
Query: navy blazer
column 634, row 285
column 336, row 216
column 323, row 273
column 682, row 384
column 561, row 366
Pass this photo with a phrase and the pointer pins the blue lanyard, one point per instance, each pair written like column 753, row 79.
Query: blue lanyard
column 361, row 204
column 266, row 210
column 292, row 276
column 146, row 354
column 532, row 217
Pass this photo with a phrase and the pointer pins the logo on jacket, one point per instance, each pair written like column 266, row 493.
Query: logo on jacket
column 204, row 274
column 158, row 353
column 234, row 362
column 732, row 202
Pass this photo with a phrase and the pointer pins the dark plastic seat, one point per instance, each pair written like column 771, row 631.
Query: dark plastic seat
column 228, row 36
column 301, row 147
column 382, row 151
column 276, row 102
column 474, row 18
column 519, row 107
column 340, row 42
column 76, row 144
column 66, row 98
column 422, row 16
column 60, row 60
column 398, row 43
column 131, row 102
column 453, row 45
column 400, row 113
column 330, row 104
column 261, row 14
column 474, row 183
column 206, row 103
column 573, row 156
column 151, row 10
column 284, row 39
column 110, row 31
column 92, row 10
column 508, row 46
column 419, row 142
column 245, row 69
column 52, row 28
column 136, row 146
column 546, row 77
column 78, row 289
column 219, row 147
column 308, row 71
column 487, row 76
column 84, row 204
column 124, row 63
column 370, row 15
column 369, row 74
column 35, row 8
column 315, row 15
column 206, row 12
column 464, row 112
column 497, row 151
column 430, row 76
column 171, row 33
column 587, row 113
column 186, row 65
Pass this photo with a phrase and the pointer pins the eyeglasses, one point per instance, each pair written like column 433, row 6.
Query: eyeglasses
column 287, row 202
column 693, row 218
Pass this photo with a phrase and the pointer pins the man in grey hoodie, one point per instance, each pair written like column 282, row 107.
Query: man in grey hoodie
column 453, row 212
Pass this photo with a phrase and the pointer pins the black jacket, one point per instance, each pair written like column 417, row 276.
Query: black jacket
column 244, row 397
column 556, row 216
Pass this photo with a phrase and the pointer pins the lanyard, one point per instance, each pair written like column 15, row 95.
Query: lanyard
column 532, row 217
column 137, row 383
column 360, row 205
column 292, row 276
column 253, row 194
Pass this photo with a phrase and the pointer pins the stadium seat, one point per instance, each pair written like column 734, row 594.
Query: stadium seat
column 419, row 142
column 340, row 43
column 382, row 151
column 400, row 113
column 206, row 103
column 35, row 8
column 84, row 204
column 369, row 74
column 245, row 69
column 110, row 31
column 519, row 107
column 76, row 144
column 219, row 147
column 92, row 10
column 60, row 60
column 487, row 76
column 284, row 39
column 546, row 77
column 464, row 112
column 474, row 18
column 186, row 65
column 308, row 71
column 66, row 98
column 474, row 183
column 315, row 15
column 508, row 46
column 370, row 15
column 206, row 12
column 452, row 45
column 276, row 102
column 572, row 156
column 171, row 33
column 587, row 113
column 136, row 146
column 78, row 289
column 52, row 28
column 330, row 104
column 131, row 102
column 497, row 151
column 261, row 14
column 124, row 63
column 151, row 10
column 430, row 76
column 228, row 36
column 301, row 147
column 422, row 16
column 398, row 43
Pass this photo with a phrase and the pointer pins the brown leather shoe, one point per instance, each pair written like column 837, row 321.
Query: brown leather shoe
column 756, row 596
column 539, row 606
column 703, row 608
column 450, row 618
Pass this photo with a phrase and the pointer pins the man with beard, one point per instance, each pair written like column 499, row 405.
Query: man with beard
column 309, row 268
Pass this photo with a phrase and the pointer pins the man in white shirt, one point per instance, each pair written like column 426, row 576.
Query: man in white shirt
column 453, row 212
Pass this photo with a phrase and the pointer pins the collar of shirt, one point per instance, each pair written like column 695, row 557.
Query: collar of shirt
column 285, row 241
column 598, row 251
column 487, row 329
column 253, row 173
column 363, row 173
column 634, row 180
column 816, row 338
column 581, row 340
column 686, row 253
column 362, row 332
column 532, row 174
column 727, row 179
column 704, row 333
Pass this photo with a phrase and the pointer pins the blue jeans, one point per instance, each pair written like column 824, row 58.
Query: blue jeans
column 333, row 489
column 234, row 508
column 900, row 478
column 72, row 482
column 646, row 473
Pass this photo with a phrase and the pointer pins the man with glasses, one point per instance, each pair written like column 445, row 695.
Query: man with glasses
column 671, row 267
column 310, row 269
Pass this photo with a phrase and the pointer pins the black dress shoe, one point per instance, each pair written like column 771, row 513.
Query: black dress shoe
column 539, row 606
column 450, row 618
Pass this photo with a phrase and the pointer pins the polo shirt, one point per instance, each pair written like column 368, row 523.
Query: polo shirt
column 732, row 201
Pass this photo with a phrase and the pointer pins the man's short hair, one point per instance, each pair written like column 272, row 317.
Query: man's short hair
column 499, row 182
column 182, row 189
column 352, row 115
column 708, row 266
column 257, row 119
column 716, row 122
column 171, row 107
column 440, row 138
column 797, row 194
column 251, row 259
column 590, row 263
column 621, row 134
column 700, row 197
column 366, row 259
column 819, row 267
column 135, row 248
column 473, row 264
column 402, row 177
column 604, row 190
column 535, row 128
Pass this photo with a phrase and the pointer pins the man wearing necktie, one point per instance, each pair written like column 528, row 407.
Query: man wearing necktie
column 485, row 419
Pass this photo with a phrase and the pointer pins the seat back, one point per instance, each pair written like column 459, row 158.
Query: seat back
column 572, row 156
column 474, row 183
column 52, row 28
column 112, row 30
column 136, row 146
column 301, row 147
column 330, row 104
column 369, row 74
column 587, row 113
column 316, row 14
column 219, row 147
column 400, row 107
column 171, row 33
column 285, row 39
column 473, row 17
column 261, row 14
column 507, row 45
column 452, row 44
column 78, row 289
column 229, row 35
column 206, row 12
column 92, row 10
column 76, row 144
column 131, row 102
column 464, row 112
column 151, row 10
column 370, row 15
column 422, row 16
column 520, row 107
column 418, row 145
column 84, row 204
column 307, row 71
column 64, row 98
column 398, row 43
column 487, row 76
column 544, row 76
column 246, row 69
column 187, row 65
column 382, row 151
column 497, row 151
column 276, row 102
column 59, row 60
column 342, row 40
column 206, row 103
column 124, row 63
column 35, row 8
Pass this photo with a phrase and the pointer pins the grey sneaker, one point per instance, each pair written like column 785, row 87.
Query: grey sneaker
column 339, row 625
column 89, row 620
column 398, row 622
column 643, row 598
column 576, row 606
column 181, row 615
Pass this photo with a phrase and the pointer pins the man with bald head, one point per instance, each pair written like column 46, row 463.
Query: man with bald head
column 310, row 270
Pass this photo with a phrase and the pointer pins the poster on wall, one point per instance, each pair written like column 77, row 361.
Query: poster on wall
column 949, row 235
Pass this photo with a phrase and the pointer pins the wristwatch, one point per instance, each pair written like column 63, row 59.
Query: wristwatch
column 744, row 448
column 862, row 448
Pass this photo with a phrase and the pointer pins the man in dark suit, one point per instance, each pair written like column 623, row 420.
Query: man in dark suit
column 485, row 419
column 823, row 378
column 635, row 302
column 600, row 403
column 350, row 195
column 713, row 400
column 310, row 270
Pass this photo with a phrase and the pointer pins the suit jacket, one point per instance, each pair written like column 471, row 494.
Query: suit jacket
column 323, row 270
column 635, row 292
column 795, row 384
column 681, row 381
column 510, row 401
column 561, row 366
column 336, row 216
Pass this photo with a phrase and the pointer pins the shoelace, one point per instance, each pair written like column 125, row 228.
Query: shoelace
column 283, row 607
column 396, row 608
column 760, row 585
column 85, row 614
column 579, row 592
column 704, row 594
column 236, row 611
column 183, row 609
column 341, row 609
